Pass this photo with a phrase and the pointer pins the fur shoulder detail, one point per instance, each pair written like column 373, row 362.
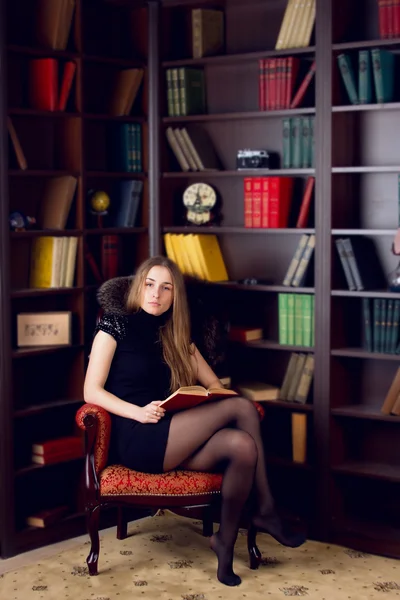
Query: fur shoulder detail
column 112, row 295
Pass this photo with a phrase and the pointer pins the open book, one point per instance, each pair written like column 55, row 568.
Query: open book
column 192, row 395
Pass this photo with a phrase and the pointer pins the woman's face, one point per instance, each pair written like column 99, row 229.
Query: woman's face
column 158, row 291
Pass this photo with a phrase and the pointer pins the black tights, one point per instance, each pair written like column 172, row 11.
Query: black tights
column 200, row 440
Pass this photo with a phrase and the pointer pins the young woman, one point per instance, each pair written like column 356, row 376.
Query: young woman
column 137, row 360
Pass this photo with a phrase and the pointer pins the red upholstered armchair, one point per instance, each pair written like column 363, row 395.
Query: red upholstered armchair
column 107, row 485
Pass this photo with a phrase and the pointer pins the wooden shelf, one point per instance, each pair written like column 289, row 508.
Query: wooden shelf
column 116, row 174
column 30, row 233
column 365, row 294
column 234, row 285
column 40, row 173
column 223, row 59
column 37, row 409
column 33, row 292
column 364, row 412
column 379, row 43
column 42, row 52
column 240, row 116
column 366, row 107
column 360, row 353
column 117, row 62
column 277, row 461
column 115, row 230
column 237, row 230
column 53, row 114
column 364, row 231
column 377, row 169
column 27, row 352
column 285, row 405
column 269, row 345
column 123, row 119
column 373, row 470
column 243, row 173
column 34, row 467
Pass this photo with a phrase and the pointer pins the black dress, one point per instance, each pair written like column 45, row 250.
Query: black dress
column 139, row 375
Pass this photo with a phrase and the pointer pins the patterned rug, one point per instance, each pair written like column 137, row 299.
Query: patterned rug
column 167, row 558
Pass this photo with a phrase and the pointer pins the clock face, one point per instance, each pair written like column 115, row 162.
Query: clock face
column 199, row 199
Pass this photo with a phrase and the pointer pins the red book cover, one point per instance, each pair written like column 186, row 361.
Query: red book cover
column 43, row 83
column 383, row 7
column 66, row 83
column 261, row 85
column 109, row 256
column 265, row 202
column 396, row 18
column 55, row 446
column 280, row 197
column 305, row 203
column 272, row 82
column 248, row 202
column 303, row 87
column 256, row 204
column 284, row 82
column 291, row 72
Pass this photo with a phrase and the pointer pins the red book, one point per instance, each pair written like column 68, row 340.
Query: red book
column 280, row 197
column 248, row 208
column 291, row 72
column 261, row 85
column 273, row 83
column 109, row 256
column 383, row 18
column 68, row 76
column 305, row 203
column 396, row 18
column 264, row 202
column 303, row 87
column 62, row 444
column 43, row 83
column 256, row 202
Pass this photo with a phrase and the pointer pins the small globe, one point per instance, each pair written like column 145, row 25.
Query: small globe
column 100, row 201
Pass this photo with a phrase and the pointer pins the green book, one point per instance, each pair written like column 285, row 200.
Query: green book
column 347, row 73
column 192, row 95
column 291, row 318
column 286, row 144
column 364, row 77
column 367, row 324
column 298, row 319
column 383, row 70
column 307, row 310
column 283, row 318
column 296, row 142
column 305, row 142
column 389, row 325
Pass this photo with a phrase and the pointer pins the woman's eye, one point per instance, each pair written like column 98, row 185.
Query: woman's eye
column 149, row 284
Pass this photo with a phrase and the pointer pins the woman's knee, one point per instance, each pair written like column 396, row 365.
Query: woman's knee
column 243, row 408
column 242, row 447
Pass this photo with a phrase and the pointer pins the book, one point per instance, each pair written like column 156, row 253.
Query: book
column 192, row 395
column 45, row 518
column 258, row 391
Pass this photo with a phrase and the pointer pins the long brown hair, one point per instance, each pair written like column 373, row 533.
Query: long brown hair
column 175, row 334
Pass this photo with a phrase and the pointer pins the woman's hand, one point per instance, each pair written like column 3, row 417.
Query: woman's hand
column 151, row 413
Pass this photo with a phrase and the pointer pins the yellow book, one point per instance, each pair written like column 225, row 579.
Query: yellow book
column 299, row 437
column 71, row 261
column 284, row 25
column 309, row 25
column 177, row 251
column 302, row 17
column 169, row 249
column 194, row 257
column 185, row 256
column 41, row 269
column 292, row 24
column 212, row 258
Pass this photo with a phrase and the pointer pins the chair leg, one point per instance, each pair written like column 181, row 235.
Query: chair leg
column 208, row 523
column 254, row 552
column 93, row 529
column 122, row 524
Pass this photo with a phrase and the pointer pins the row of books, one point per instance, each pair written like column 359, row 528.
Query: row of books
column 299, row 268
column 186, row 94
column 277, row 81
column 268, row 201
column 57, row 450
column 125, row 149
column 47, row 89
column 108, row 254
column 297, row 24
column 198, row 255
column 53, row 262
column 361, row 264
column 375, row 73
column 298, row 143
column 389, row 18
column 296, row 319
column 381, row 325
column 192, row 148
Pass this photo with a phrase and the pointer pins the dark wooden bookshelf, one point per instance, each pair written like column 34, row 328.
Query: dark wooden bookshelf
column 351, row 471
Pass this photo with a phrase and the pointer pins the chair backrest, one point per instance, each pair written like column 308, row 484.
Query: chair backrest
column 89, row 416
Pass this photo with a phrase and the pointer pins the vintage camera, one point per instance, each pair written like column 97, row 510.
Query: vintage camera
column 253, row 159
